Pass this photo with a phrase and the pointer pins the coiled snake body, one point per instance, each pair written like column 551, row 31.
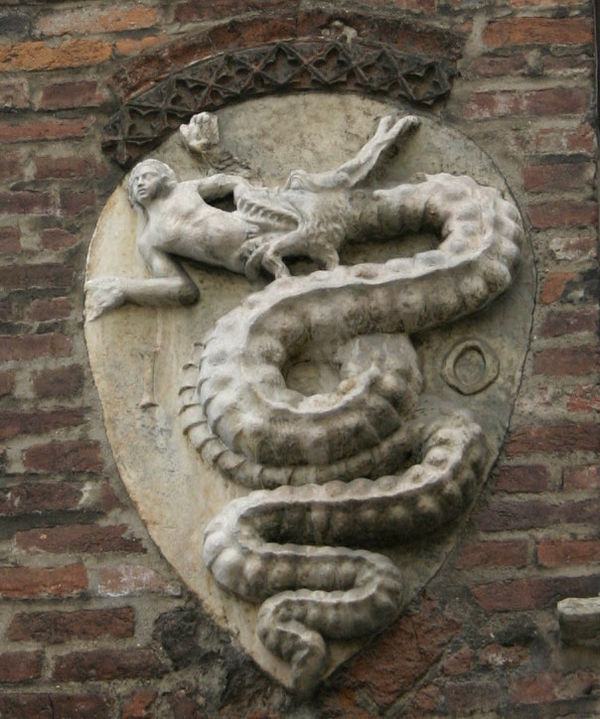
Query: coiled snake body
column 297, row 543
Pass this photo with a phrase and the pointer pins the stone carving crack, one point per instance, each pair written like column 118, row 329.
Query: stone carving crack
column 285, row 66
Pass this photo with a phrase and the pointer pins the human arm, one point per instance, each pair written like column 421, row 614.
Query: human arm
column 214, row 187
column 169, row 286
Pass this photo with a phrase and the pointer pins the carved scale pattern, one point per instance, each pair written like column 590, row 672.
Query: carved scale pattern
column 281, row 546
column 291, row 65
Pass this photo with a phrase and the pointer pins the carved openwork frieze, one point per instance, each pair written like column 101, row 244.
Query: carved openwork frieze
column 308, row 383
column 285, row 66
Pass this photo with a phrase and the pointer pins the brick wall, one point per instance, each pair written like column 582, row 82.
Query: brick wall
column 93, row 622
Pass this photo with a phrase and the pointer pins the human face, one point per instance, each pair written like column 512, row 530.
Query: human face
column 145, row 184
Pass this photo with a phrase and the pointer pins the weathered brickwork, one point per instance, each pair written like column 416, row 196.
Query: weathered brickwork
column 93, row 622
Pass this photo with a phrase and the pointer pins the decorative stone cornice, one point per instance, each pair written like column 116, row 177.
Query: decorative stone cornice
column 361, row 66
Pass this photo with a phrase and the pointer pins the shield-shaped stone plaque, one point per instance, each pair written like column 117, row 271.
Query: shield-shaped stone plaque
column 304, row 451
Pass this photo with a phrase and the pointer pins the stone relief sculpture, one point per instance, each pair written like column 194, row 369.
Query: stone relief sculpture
column 368, row 461
column 309, row 217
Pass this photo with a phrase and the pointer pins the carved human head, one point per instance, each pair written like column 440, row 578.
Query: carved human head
column 150, row 179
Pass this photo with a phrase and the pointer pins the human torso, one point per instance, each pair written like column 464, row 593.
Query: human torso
column 183, row 224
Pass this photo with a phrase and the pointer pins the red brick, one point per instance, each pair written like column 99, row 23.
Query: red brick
column 107, row 499
column 585, row 399
column 26, row 203
column 10, row 166
column 583, row 140
column 25, row 347
column 506, row 553
column 86, row 624
column 68, row 456
column 6, row 310
column 139, row 704
column 185, row 51
column 460, row 662
column 581, row 477
column 7, row 383
column 548, row 102
column 36, row 55
column 64, row 95
column 89, row 706
column 394, row 662
column 135, row 46
column 42, row 276
column 504, row 515
column 564, row 552
column 552, row 686
column 64, row 167
column 47, row 129
column 39, row 422
column 37, row 497
column 26, row 706
column 144, row 71
column 536, row 688
column 10, row 240
column 94, row 20
column 466, row 696
column 133, row 579
column 108, row 664
column 499, row 66
column 192, row 11
column 14, row 95
column 186, row 704
column 58, row 239
column 522, row 478
column 80, row 538
column 538, row 31
column 554, row 286
column 562, row 361
column 73, row 203
column 427, row 699
column 20, row 666
column 535, row 593
column 61, row 382
column 557, row 324
column 539, row 3
column 27, row 582
column 254, row 31
column 421, row 6
column 496, row 655
column 569, row 65
column 415, row 37
column 552, row 177
column 562, row 213
column 580, row 247
column 553, row 141
column 53, row 706
column 49, row 309
column 554, row 438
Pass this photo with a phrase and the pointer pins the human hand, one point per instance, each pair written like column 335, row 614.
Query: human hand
column 201, row 133
column 103, row 294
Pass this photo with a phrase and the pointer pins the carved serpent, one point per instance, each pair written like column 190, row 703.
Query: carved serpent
column 418, row 462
